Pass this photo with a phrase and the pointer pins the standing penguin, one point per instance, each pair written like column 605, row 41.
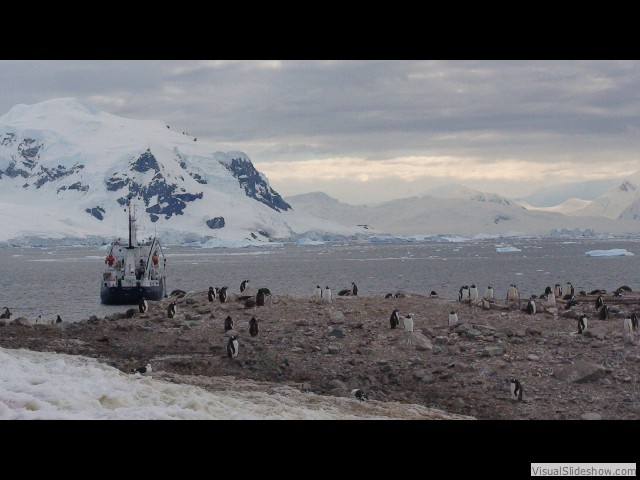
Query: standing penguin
column 408, row 327
column 516, row 390
column 453, row 318
column 354, row 289
column 531, row 307
column 143, row 305
column 222, row 294
column 7, row 313
column 211, row 294
column 243, row 285
column 557, row 290
column 253, row 326
column 628, row 330
column 513, row 295
column 547, row 290
column 582, row 323
column 599, row 302
column 232, row 347
column 473, row 292
column 317, row 292
column 551, row 299
column 634, row 321
column 463, row 293
column 326, row 295
column 488, row 294
column 228, row 323
column 569, row 290
column 58, row 319
column 604, row 313
column 260, row 298
column 394, row 320
column 171, row 310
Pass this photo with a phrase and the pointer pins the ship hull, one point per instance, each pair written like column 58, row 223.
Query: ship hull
column 119, row 295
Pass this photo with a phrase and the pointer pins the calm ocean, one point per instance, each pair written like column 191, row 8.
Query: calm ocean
column 66, row 280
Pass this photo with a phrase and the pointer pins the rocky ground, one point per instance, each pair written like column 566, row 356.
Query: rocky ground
column 331, row 348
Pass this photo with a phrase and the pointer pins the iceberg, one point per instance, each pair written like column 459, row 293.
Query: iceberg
column 507, row 249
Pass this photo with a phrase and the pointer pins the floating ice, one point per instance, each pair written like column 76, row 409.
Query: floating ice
column 612, row 252
column 507, row 248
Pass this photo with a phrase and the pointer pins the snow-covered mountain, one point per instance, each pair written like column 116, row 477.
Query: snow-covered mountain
column 554, row 195
column 467, row 193
column 568, row 207
column 462, row 216
column 67, row 170
column 619, row 202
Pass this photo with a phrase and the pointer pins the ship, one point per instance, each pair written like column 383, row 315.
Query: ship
column 134, row 270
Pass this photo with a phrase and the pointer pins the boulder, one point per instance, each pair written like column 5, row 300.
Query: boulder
column 580, row 372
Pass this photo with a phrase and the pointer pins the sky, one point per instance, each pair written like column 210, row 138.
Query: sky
column 373, row 130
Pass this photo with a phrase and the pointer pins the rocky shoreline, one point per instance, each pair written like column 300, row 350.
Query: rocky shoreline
column 332, row 348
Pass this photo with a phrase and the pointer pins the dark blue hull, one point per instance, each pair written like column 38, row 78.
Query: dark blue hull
column 130, row 295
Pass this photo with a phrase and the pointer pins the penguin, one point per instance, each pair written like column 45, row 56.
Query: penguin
column 326, row 295
column 243, row 285
column 143, row 305
column 463, row 293
column 7, row 313
column 39, row 319
column 473, row 292
column 228, row 323
column 516, row 390
column 604, row 313
column 408, row 327
column 58, row 319
column 141, row 370
column 628, row 329
column 232, row 347
column 634, row 321
column 557, row 290
column 359, row 394
column 513, row 295
column 572, row 302
column 344, row 292
column 488, row 294
column 551, row 299
column 265, row 290
column 453, row 319
column 354, row 289
column 260, row 299
column 389, row 295
column 222, row 294
column 531, row 307
column 318, row 292
column 212, row 294
column 433, row 294
column 582, row 323
column 569, row 290
column 547, row 290
column 171, row 310
column 394, row 320
column 253, row 326
column 599, row 302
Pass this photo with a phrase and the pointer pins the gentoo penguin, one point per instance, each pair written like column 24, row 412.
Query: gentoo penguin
column 7, row 313
column 326, row 295
column 582, row 323
column 488, row 294
column 557, row 290
column 58, row 319
column 260, row 298
column 143, row 305
column 211, row 294
column 513, row 295
column 604, row 313
column 389, row 295
column 243, row 285
column 228, row 323
column 394, row 320
column 628, row 329
column 571, row 302
column 569, row 290
column 222, row 294
column 599, row 302
column 39, row 319
column 354, row 289
column 463, row 293
column 516, row 390
column 145, row 369
column 547, row 290
column 453, row 318
column 432, row 294
column 408, row 327
column 634, row 321
column 171, row 310
column 551, row 299
column 473, row 292
column 232, row 347
column 253, row 326
column 344, row 292
column 531, row 307
column 265, row 290
column 318, row 292
column 359, row 394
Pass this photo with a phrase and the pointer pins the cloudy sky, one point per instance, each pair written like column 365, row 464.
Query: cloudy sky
column 373, row 130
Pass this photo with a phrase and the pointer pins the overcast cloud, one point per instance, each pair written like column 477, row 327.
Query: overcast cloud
column 366, row 131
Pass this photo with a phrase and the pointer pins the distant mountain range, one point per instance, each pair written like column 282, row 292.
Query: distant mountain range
column 67, row 170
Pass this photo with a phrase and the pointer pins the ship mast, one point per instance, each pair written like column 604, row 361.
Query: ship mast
column 132, row 219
